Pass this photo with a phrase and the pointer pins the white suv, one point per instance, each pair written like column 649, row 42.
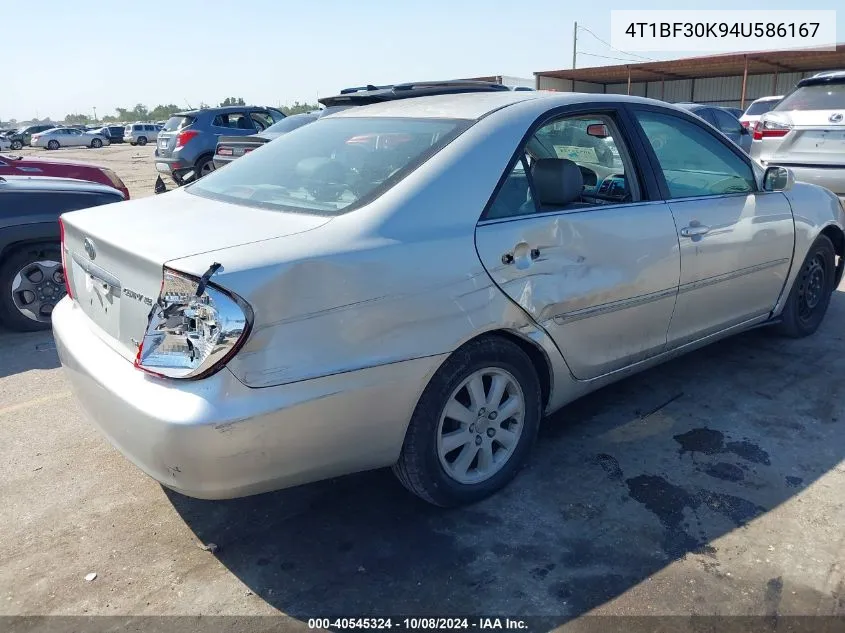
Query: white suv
column 140, row 133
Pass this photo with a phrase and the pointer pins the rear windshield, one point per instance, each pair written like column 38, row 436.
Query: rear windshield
column 761, row 107
column 829, row 96
column 330, row 166
column 177, row 123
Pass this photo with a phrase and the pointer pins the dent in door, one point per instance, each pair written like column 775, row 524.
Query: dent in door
column 603, row 284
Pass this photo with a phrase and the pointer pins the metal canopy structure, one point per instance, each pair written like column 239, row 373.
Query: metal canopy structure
column 730, row 64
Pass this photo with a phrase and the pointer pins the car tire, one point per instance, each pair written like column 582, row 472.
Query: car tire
column 16, row 145
column 437, row 446
column 142, row 140
column 96, row 143
column 811, row 291
column 16, row 264
column 204, row 166
column 53, row 144
column 132, row 144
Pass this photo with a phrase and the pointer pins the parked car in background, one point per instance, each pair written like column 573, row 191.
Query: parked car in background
column 31, row 271
column 140, row 133
column 5, row 143
column 231, row 147
column 24, row 135
column 722, row 120
column 19, row 166
column 330, row 304
column 758, row 108
column 67, row 137
column 112, row 132
column 806, row 132
column 189, row 139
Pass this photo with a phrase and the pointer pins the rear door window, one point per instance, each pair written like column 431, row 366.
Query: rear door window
column 261, row 120
column 726, row 123
column 233, row 120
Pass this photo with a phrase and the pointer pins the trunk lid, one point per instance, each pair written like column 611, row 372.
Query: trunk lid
column 114, row 256
column 815, row 139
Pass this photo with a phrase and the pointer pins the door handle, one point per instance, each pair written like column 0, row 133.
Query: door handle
column 695, row 230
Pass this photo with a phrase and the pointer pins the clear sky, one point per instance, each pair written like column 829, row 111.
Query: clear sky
column 66, row 56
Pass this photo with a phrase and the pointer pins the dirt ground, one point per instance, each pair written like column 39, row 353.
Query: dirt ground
column 711, row 485
column 134, row 165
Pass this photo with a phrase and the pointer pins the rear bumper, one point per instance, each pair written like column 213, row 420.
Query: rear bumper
column 216, row 438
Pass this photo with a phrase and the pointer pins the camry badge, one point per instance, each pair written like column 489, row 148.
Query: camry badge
column 89, row 248
column 836, row 117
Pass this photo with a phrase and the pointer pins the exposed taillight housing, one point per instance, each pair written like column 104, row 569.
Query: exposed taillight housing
column 770, row 129
column 63, row 250
column 225, row 151
column 183, row 137
column 745, row 124
column 194, row 328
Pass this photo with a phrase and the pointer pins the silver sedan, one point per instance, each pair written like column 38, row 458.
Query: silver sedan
column 68, row 137
column 415, row 284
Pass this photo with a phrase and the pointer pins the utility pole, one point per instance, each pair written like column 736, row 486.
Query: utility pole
column 95, row 113
column 574, row 44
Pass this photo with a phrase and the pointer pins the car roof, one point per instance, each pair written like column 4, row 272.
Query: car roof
column 834, row 76
column 47, row 183
column 452, row 106
column 477, row 105
column 772, row 98
column 219, row 110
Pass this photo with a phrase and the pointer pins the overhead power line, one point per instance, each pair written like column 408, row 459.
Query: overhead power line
column 618, row 50
column 621, row 59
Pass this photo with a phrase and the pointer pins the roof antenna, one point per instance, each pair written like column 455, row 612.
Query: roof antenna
column 190, row 107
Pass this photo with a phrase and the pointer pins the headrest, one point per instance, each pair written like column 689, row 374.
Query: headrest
column 557, row 181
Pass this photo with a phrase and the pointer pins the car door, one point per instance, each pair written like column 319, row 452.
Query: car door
column 73, row 137
column 736, row 241
column 597, row 268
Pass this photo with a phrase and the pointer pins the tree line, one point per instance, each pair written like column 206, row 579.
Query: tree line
column 161, row 112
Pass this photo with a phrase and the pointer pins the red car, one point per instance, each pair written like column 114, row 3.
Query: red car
column 19, row 166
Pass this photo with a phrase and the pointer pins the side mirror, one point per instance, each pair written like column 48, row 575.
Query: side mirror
column 599, row 130
column 777, row 178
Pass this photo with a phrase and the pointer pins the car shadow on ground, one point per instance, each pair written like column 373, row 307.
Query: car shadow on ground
column 621, row 483
column 23, row 351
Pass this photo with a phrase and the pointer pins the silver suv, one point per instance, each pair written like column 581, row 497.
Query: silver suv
column 188, row 140
column 806, row 132
column 140, row 133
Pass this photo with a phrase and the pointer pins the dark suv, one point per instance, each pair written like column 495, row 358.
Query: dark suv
column 188, row 139
column 24, row 135
column 31, row 277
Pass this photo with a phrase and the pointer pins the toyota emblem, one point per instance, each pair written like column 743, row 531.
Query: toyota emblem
column 89, row 248
column 836, row 117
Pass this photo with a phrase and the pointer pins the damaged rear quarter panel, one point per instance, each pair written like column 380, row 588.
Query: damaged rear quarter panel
column 392, row 281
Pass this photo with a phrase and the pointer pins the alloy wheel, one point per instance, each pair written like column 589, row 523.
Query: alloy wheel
column 480, row 426
column 37, row 288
